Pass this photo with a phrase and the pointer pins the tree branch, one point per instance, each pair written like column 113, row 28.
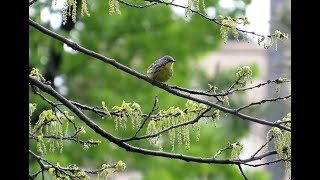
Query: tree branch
column 163, row 86
column 235, row 83
column 146, row 118
column 215, row 20
column 263, row 101
column 54, row 105
column 32, row 2
column 283, row 122
column 94, row 109
column 137, row 6
column 70, row 138
column 223, row 149
column 258, row 157
column 34, row 175
column 276, row 81
column 63, row 170
column 168, row 128
column 253, row 155
column 230, row 91
column 245, row 177
column 119, row 142
column 101, row 113
column 263, row 164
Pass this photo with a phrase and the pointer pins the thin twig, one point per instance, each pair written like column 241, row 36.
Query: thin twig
column 258, row 157
column 42, row 173
column 253, row 155
column 94, row 109
column 32, row 2
column 167, row 129
column 263, row 164
column 223, row 149
column 70, row 138
column 263, row 101
column 146, row 118
column 206, row 93
column 137, row 6
column 54, row 105
column 34, row 175
column 283, row 122
column 245, row 177
column 235, row 83
column 276, row 81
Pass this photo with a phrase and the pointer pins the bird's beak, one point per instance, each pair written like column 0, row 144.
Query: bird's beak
column 173, row 60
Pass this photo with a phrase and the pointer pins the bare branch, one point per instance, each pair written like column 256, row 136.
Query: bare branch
column 204, row 93
column 35, row 174
column 145, row 78
column 258, row 157
column 263, row 101
column 146, row 118
column 237, row 82
column 254, row 154
column 245, row 177
column 230, row 91
column 137, row 6
column 276, row 81
column 263, row 164
column 94, row 109
column 32, row 2
column 42, row 174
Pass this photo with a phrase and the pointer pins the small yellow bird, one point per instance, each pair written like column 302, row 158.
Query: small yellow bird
column 162, row 69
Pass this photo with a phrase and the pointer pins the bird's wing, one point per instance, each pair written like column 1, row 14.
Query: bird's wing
column 154, row 67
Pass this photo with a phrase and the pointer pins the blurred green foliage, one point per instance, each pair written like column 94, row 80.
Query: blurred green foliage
column 136, row 38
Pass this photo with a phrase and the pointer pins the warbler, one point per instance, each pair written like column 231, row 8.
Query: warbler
column 162, row 69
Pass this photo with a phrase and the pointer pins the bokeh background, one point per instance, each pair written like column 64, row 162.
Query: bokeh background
column 136, row 38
